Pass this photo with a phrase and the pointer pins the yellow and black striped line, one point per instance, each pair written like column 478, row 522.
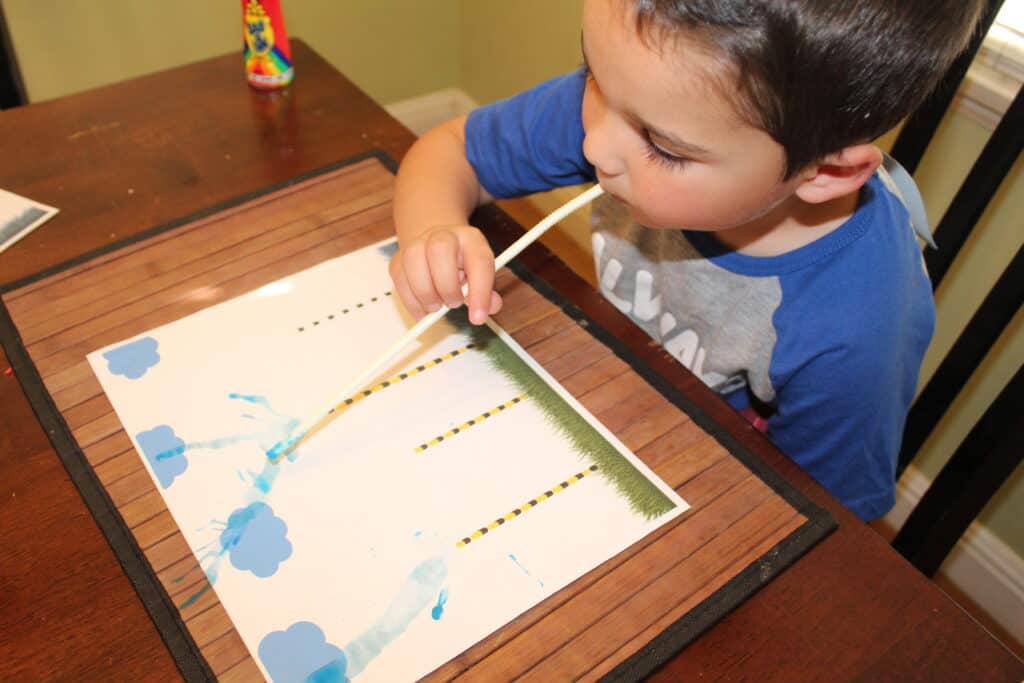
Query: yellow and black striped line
column 469, row 423
column 359, row 396
column 345, row 311
column 520, row 510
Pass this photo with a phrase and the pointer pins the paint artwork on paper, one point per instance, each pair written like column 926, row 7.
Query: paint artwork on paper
column 461, row 489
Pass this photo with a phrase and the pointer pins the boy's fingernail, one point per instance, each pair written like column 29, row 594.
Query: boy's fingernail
column 479, row 315
column 433, row 308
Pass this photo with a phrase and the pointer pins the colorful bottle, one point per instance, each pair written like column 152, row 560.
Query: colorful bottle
column 268, row 58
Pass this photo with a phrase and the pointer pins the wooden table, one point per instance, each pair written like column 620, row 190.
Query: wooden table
column 147, row 151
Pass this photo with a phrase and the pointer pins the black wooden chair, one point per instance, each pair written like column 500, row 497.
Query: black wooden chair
column 12, row 94
column 995, row 446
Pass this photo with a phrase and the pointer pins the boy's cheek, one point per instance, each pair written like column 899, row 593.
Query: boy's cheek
column 587, row 111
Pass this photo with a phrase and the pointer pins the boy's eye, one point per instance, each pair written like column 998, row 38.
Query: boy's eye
column 661, row 155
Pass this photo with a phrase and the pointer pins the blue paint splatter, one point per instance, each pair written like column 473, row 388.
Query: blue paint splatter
column 279, row 439
column 165, row 453
column 262, row 553
column 256, row 540
column 223, row 442
column 165, row 450
column 194, row 597
column 525, row 570
column 133, row 359
column 302, row 653
column 259, row 401
column 413, row 597
column 438, row 611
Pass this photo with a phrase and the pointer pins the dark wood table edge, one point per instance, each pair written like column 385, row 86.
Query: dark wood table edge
column 529, row 267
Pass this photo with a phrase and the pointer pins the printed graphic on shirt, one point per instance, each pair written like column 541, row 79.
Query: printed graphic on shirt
column 715, row 322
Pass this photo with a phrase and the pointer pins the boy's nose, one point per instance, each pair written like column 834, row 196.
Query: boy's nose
column 599, row 151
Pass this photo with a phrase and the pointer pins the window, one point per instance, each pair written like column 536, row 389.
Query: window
column 998, row 70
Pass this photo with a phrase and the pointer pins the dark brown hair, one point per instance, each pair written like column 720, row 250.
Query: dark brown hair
column 820, row 75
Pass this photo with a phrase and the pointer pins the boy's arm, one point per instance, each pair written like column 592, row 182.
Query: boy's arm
column 435, row 192
column 529, row 142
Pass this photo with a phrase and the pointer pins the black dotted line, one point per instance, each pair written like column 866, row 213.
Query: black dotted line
column 344, row 311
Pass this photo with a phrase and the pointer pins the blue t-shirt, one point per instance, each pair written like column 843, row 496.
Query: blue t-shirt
column 828, row 338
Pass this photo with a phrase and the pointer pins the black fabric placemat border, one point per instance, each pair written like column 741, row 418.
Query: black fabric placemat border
column 165, row 614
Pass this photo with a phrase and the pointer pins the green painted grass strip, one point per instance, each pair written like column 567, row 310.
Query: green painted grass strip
column 644, row 497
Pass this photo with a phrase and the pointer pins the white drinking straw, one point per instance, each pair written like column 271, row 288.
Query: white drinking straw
column 285, row 445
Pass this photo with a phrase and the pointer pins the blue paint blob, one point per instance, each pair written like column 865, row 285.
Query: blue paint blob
column 302, row 653
column 256, row 540
column 438, row 611
column 133, row 359
column 333, row 672
column 389, row 249
column 275, row 452
column 165, row 452
column 263, row 482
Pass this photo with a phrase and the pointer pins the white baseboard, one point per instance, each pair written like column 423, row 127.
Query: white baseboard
column 420, row 114
column 981, row 567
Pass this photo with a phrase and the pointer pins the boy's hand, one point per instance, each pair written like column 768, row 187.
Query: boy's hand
column 430, row 269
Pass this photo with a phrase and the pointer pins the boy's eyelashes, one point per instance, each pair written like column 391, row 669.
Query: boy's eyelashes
column 655, row 153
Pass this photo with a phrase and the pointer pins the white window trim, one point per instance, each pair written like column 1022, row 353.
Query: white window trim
column 996, row 74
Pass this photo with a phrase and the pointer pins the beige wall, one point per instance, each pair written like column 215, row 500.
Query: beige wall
column 508, row 46
column 397, row 49
column 393, row 49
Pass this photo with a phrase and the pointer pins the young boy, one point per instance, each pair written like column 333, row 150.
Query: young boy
column 744, row 225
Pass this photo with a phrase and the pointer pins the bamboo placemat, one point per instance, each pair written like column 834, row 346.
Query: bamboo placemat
column 619, row 621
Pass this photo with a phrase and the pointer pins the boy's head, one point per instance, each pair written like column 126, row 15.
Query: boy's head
column 709, row 114
column 818, row 75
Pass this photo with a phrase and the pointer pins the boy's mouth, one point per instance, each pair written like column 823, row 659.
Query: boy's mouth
column 610, row 192
column 615, row 196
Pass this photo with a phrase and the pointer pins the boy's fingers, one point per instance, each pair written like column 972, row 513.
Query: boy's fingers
column 443, row 261
column 479, row 266
column 417, row 276
column 412, row 305
column 495, row 302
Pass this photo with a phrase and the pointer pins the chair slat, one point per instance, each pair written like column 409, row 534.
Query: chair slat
column 978, row 468
column 993, row 165
column 12, row 90
column 984, row 328
column 919, row 129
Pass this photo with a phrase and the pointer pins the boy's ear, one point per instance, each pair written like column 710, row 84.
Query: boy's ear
column 839, row 174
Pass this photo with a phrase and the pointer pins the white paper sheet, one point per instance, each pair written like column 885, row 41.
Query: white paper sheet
column 349, row 558
column 20, row 216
